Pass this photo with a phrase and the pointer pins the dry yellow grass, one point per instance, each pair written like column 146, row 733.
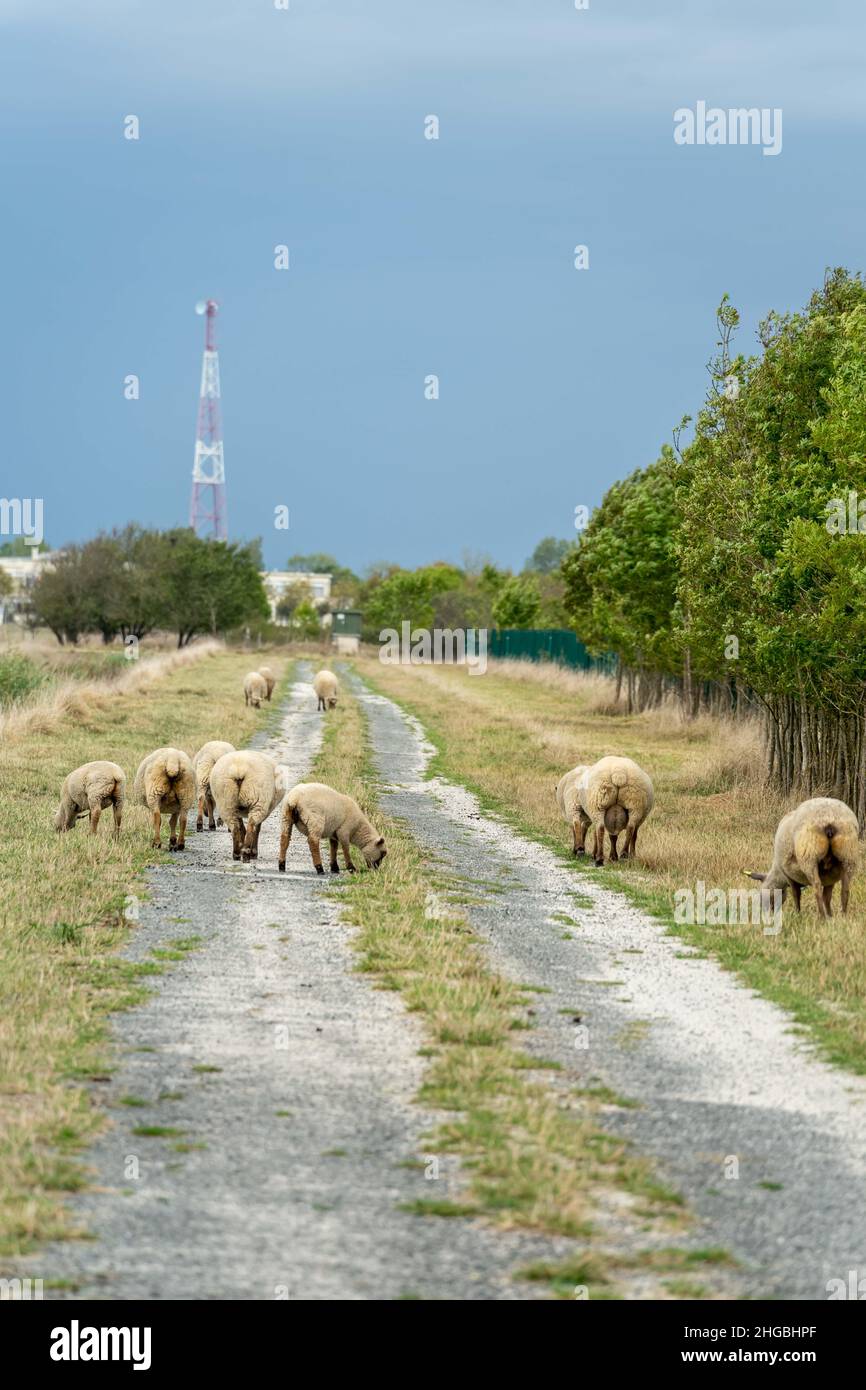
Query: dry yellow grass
column 62, row 900
column 511, row 733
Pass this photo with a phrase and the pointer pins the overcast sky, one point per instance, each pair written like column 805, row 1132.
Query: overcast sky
column 409, row 257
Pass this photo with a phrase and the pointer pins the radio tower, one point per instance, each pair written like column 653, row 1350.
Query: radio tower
column 207, row 512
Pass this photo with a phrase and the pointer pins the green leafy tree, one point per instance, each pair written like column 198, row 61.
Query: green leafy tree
column 517, row 604
column 548, row 555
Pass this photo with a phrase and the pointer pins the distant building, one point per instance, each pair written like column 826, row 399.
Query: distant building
column 278, row 582
column 23, row 570
column 346, row 631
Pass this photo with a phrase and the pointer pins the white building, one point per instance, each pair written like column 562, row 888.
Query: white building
column 277, row 582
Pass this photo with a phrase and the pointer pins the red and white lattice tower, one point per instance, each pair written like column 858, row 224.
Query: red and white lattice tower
column 207, row 513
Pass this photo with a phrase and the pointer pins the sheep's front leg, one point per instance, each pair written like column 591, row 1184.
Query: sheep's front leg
column 332, row 841
column 796, row 890
column 94, row 818
column 157, row 823
column 347, row 856
column 316, row 853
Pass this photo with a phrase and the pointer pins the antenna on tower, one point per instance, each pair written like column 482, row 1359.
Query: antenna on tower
column 207, row 513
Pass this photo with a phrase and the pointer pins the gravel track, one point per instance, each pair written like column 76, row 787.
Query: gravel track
column 290, row 1080
column 719, row 1073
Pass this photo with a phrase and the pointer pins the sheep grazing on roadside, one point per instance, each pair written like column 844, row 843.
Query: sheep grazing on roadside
column 165, row 784
column 202, row 763
column 815, row 847
column 568, row 801
column 326, row 688
column 246, row 786
column 269, row 679
column 88, row 791
column 255, row 689
column 321, row 813
column 615, row 795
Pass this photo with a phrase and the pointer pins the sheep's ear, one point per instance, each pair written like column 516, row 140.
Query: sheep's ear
column 759, row 877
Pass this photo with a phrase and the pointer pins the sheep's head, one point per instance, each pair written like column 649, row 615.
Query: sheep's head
column 332, row 702
column 772, row 880
column 375, row 852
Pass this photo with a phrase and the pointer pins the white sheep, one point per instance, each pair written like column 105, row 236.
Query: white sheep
column 165, row 784
column 202, row 763
column 815, row 846
column 568, row 801
column 255, row 689
column 615, row 795
column 326, row 688
column 88, row 791
column 320, row 813
column 269, row 679
column 246, row 785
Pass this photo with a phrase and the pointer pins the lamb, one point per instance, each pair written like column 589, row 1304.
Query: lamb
column 326, row 687
column 203, row 762
column 269, row 679
column 615, row 795
column 246, row 784
column 568, row 802
column 165, row 784
column 255, row 689
column 319, row 812
column 815, row 846
column 88, row 791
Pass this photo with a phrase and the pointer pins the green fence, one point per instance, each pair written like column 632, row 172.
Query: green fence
column 546, row 644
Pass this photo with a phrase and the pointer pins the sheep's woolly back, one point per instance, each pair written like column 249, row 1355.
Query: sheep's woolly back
column 207, row 755
column 325, row 684
column 165, row 781
column 246, row 783
column 255, row 685
column 567, row 798
column 818, row 832
column 614, row 792
column 98, row 783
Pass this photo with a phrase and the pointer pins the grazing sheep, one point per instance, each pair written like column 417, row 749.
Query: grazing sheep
column 255, row 689
column 326, row 687
column 269, row 679
column 202, row 763
column 615, row 795
column 321, row 813
column 246, row 784
column 87, row 791
column 568, row 802
column 815, row 846
column 165, row 784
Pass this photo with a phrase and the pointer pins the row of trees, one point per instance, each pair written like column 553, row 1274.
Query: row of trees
column 734, row 568
column 134, row 581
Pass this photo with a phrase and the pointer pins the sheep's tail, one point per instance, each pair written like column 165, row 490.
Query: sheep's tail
column 619, row 775
column 817, row 842
column 615, row 819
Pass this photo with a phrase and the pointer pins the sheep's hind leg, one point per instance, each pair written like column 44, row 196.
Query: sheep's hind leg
column 332, row 841
column 796, row 891
column 172, row 832
column 181, row 839
column 316, row 853
column 846, row 889
column 94, row 818
column 815, row 881
column 578, row 835
column 249, row 841
column 285, row 837
column 828, row 894
column 157, row 830
column 598, row 847
column 237, row 836
column 199, row 820
column 117, row 808
column 613, row 854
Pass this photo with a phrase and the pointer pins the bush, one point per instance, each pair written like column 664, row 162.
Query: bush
column 18, row 677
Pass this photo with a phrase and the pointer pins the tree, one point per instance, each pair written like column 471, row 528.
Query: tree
column 306, row 622
column 209, row 586
column 517, row 603
column 548, row 555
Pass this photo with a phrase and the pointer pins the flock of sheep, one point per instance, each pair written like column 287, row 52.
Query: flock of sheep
column 238, row 788
column 815, row 845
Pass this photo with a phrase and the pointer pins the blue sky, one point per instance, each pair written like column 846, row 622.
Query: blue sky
column 408, row 256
